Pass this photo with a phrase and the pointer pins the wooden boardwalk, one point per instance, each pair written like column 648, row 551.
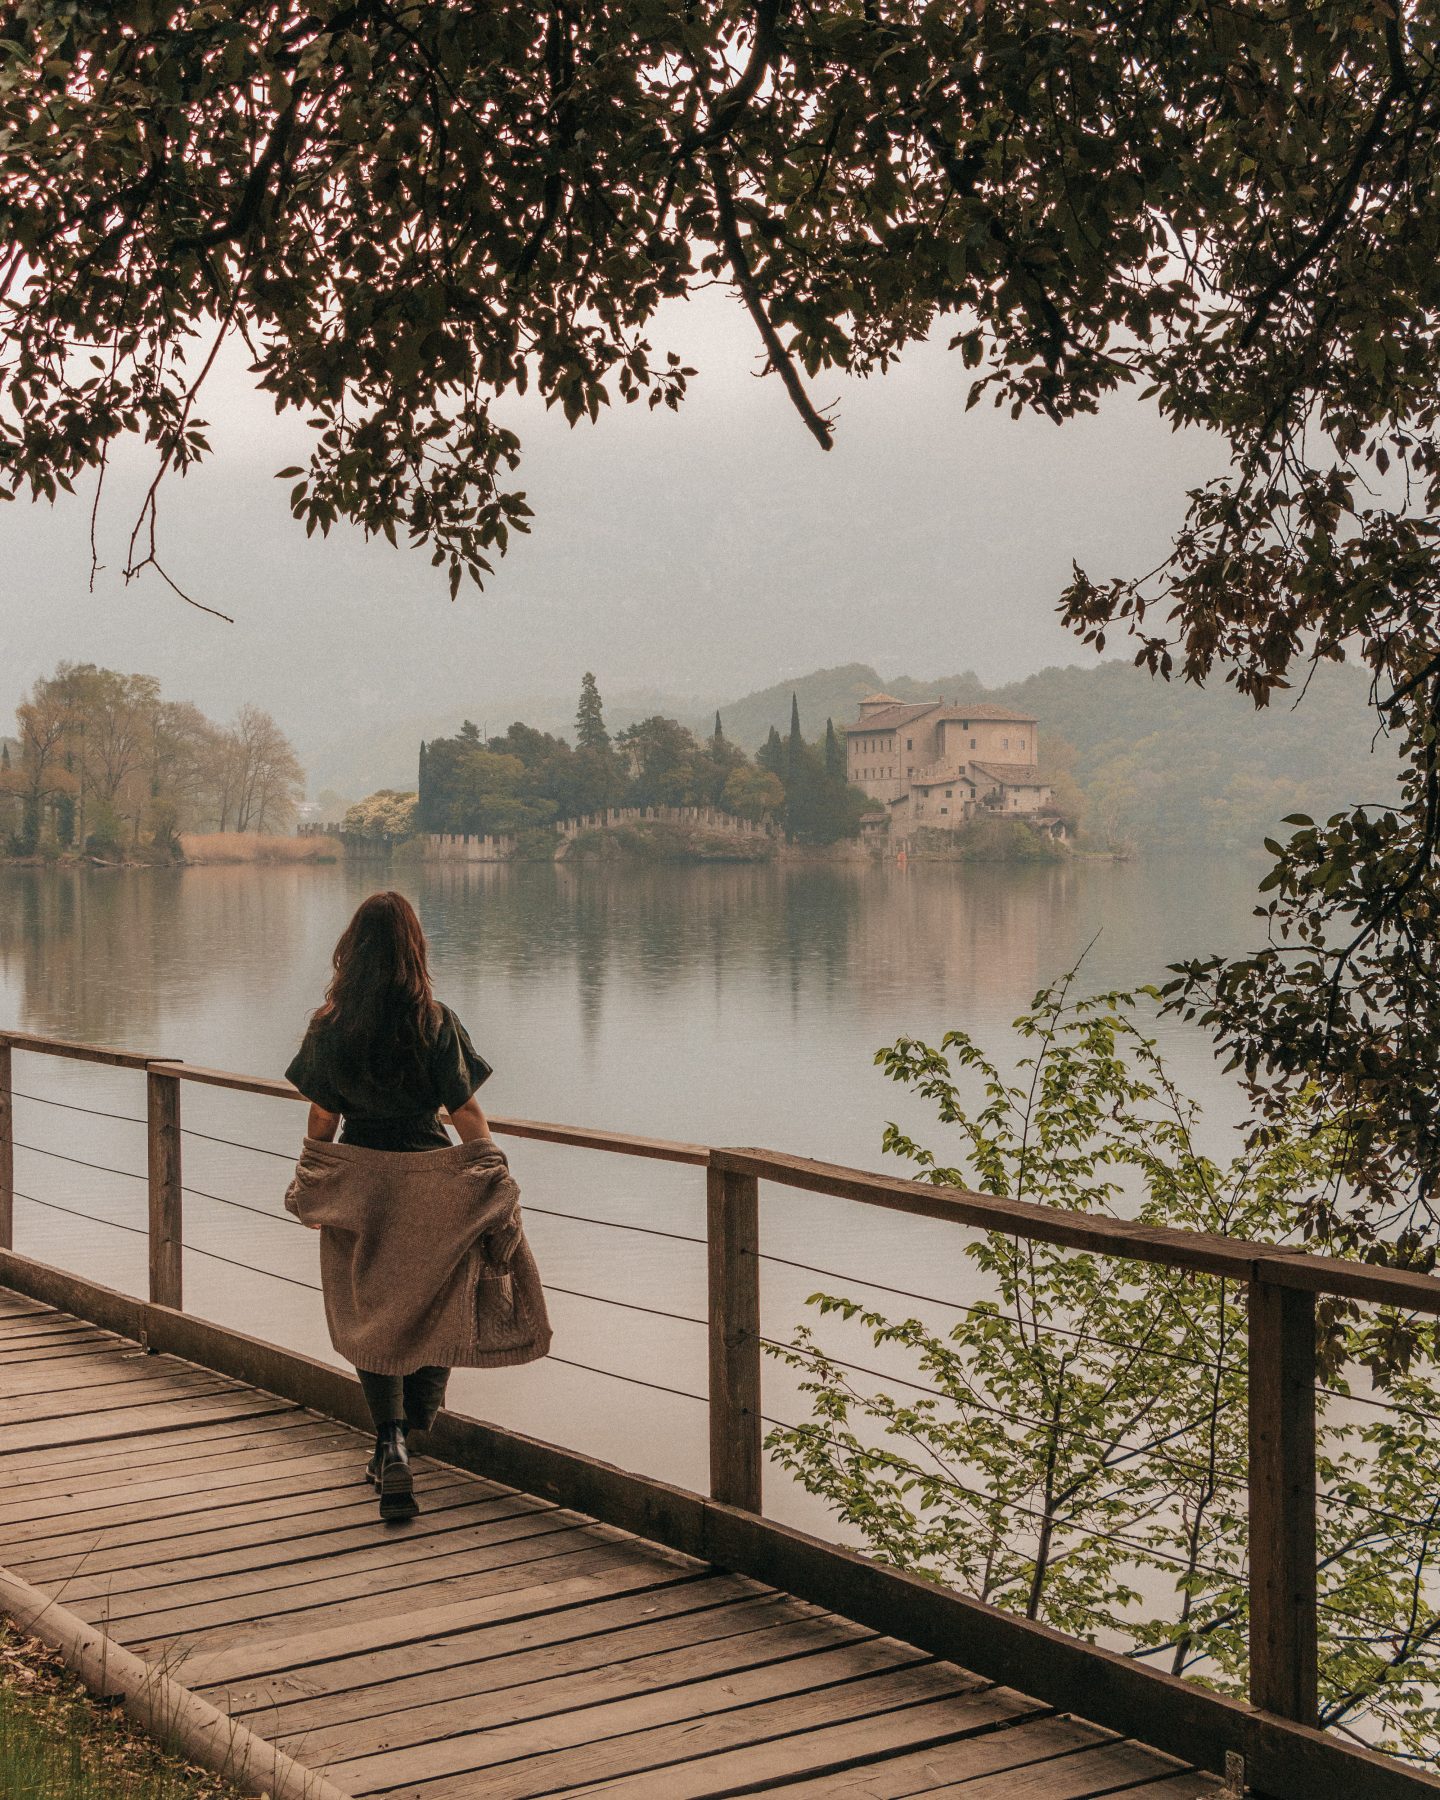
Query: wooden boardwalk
column 497, row 1647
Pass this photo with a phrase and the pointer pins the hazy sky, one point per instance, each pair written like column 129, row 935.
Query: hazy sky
column 701, row 554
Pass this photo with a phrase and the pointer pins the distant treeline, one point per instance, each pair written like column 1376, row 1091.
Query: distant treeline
column 526, row 779
column 102, row 761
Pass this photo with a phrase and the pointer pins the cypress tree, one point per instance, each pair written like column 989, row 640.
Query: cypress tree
column 590, row 732
column 834, row 754
column 422, row 790
column 771, row 755
column 796, row 746
column 717, row 737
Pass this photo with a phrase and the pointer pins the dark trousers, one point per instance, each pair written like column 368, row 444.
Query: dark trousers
column 412, row 1399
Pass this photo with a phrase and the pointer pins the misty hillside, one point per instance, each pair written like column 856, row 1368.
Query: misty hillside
column 1167, row 765
column 1163, row 763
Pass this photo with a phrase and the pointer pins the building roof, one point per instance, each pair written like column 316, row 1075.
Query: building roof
column 986, row 713
column 1014, row 774
column 881, row 700
column 898, row 713
column 948, row 780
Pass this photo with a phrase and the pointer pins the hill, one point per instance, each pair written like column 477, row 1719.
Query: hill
column 1168, row 765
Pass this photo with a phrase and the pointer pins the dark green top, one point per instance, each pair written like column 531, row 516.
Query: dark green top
column 402, row 1113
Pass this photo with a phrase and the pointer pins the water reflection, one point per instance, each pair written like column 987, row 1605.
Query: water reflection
column 725, row 1005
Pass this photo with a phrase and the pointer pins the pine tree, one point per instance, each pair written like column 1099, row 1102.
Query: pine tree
column 590, row 732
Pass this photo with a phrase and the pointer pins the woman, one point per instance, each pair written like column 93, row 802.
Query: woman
column 423, row 1260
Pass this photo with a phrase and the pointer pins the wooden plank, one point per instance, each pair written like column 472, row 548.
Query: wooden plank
column 38, row 1350
column 123, row 1397
column 332, row 1613
column 733, row 1241
column 285, row 1504
column 384, row 1568
column 1019, row 1743
column 16, row 1327
column 58, row 1287
column 33, row 1346
column 1103, row 1769
column 223, row 1078
column 1283, row 1638
column 163, row 1156
column 778, row 1656
column 801, row 1743
column 600, row 1635
column 149, row 1455
column 666, row 1731
column 36, row 1045
column 377, row 1557
column 175, row 1415
column 128, row 1508
column 30, row 1316
column 342, row 1537
column 111, row 1365
column 288, row 1464
column 620, row 1143
column 407, row 1640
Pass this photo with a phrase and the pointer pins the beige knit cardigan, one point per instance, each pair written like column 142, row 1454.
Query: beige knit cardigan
column 423, row 1258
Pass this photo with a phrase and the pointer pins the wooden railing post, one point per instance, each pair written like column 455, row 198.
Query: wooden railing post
column 733, row 1235
column 7, row 1152
column 1283, row 1650
column 162, row 1111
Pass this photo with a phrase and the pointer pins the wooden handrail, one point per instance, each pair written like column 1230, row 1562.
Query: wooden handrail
column 1282, row 1284
column 1241, row 1259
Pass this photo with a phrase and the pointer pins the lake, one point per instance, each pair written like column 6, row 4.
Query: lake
column 724, row 1004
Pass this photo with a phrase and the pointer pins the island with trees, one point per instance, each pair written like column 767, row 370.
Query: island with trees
column 656, row 789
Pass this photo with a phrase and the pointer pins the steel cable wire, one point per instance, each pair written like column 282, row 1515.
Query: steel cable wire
column 60, row 1156
column 235, row 1144
column 280, row 1218
column 94, row 1218
column 1089, row 1337
column 1014, row 1418
column 994, row 1500
column 634, row 1380
column 680, row 1237
column 143, row 1231
column 95, row 1112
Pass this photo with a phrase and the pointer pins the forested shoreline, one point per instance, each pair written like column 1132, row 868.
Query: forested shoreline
column 525, row 781
column 102, row 763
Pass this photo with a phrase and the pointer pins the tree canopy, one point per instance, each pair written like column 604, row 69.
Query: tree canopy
column 408, row 210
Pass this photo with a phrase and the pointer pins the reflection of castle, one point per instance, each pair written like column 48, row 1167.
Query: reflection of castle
column 934, row 765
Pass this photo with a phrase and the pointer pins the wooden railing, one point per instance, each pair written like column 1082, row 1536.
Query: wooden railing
column 1288, row 1755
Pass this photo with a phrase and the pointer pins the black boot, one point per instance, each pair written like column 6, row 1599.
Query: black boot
column 392, row 1473
column 372, row 1468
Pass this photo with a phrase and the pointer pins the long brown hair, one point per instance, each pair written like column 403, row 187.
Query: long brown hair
column 380, row 1015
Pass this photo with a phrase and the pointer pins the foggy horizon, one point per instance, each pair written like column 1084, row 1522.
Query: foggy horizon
column 697, row 556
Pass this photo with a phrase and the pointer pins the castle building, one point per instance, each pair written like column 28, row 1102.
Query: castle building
column 934, row 765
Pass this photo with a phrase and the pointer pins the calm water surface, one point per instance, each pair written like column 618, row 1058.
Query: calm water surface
column 719, row 1005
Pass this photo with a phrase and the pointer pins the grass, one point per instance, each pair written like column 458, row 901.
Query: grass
column 256, row 847
column 57, row 1743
